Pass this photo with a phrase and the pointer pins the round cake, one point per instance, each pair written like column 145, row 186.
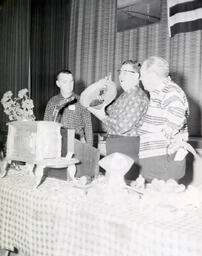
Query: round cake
column 99, row 93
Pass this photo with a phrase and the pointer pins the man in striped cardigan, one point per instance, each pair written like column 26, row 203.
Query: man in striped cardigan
column 164, row 132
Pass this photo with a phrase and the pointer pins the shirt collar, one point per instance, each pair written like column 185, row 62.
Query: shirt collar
column 62, row 98
column 133, row 90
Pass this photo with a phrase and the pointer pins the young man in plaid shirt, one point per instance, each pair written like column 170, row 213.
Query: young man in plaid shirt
column 66, row 109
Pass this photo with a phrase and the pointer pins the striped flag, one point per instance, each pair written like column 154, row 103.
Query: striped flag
column 184, row 16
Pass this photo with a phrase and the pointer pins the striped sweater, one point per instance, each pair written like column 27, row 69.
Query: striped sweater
column 165, row 123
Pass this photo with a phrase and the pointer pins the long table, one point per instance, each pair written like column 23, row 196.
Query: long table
column 57, row 219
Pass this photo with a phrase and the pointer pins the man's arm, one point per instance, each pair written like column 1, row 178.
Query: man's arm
column 176, row 107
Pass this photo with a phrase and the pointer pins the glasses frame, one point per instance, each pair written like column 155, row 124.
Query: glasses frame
column 133, row 72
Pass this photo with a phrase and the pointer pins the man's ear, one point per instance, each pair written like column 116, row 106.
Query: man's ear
column 57, row 83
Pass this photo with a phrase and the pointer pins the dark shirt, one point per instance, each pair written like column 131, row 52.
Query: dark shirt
column 78, row 119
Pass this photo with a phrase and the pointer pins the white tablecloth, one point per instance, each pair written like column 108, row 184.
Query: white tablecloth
column 58, row 220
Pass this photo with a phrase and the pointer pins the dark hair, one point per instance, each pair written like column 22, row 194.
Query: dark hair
column 135, row 64
column 63, row 71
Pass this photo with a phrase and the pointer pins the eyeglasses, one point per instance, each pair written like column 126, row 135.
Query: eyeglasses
column 119, row 71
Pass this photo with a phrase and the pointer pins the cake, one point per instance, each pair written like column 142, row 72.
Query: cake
column 100, row 93
column 167, row 194
column 33, row 141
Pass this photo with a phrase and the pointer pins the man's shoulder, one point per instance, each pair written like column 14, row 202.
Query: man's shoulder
column 174, row 94
column 53, row 100
column 172, row 87
column 55, row 97
column 174, row 90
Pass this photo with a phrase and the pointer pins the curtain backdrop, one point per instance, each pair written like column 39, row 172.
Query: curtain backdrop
column 186, row 64
column 50, row 21
column 14, row 49
column 92, row 44
column 92, row 30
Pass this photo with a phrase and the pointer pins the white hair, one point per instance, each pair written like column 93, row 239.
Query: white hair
column 157, row 65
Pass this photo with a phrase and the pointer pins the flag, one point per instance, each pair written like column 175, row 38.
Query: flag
column 184, row 16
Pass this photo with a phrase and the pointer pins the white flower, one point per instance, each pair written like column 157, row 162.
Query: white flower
column 22, row 93
column 30, row 112
column 19, row 111
column 7, row 104
column 28, row 104
column 18, row 108
column 8, row 95
column 11, row 118
column 7, row 111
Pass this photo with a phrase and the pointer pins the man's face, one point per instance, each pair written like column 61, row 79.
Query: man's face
column 128, row 77
column 65, row 82
column 149, row 79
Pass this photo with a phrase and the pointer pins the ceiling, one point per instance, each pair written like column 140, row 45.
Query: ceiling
column 124, row 3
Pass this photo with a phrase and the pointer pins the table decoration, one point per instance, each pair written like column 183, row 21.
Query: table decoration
column 116, row 166
column 19, row 108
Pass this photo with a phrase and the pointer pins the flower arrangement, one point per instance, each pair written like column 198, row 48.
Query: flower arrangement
column 20, row 108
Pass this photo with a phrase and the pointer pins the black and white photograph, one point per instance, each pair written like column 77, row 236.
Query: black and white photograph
column 100, row 127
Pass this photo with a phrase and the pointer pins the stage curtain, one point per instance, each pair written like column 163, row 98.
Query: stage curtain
column 186, row 70
column 92, row 44
column 49, row 39
column 14, row 49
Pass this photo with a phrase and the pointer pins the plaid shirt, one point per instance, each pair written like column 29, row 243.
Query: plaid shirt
column 126, row 113
column 78, row 119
